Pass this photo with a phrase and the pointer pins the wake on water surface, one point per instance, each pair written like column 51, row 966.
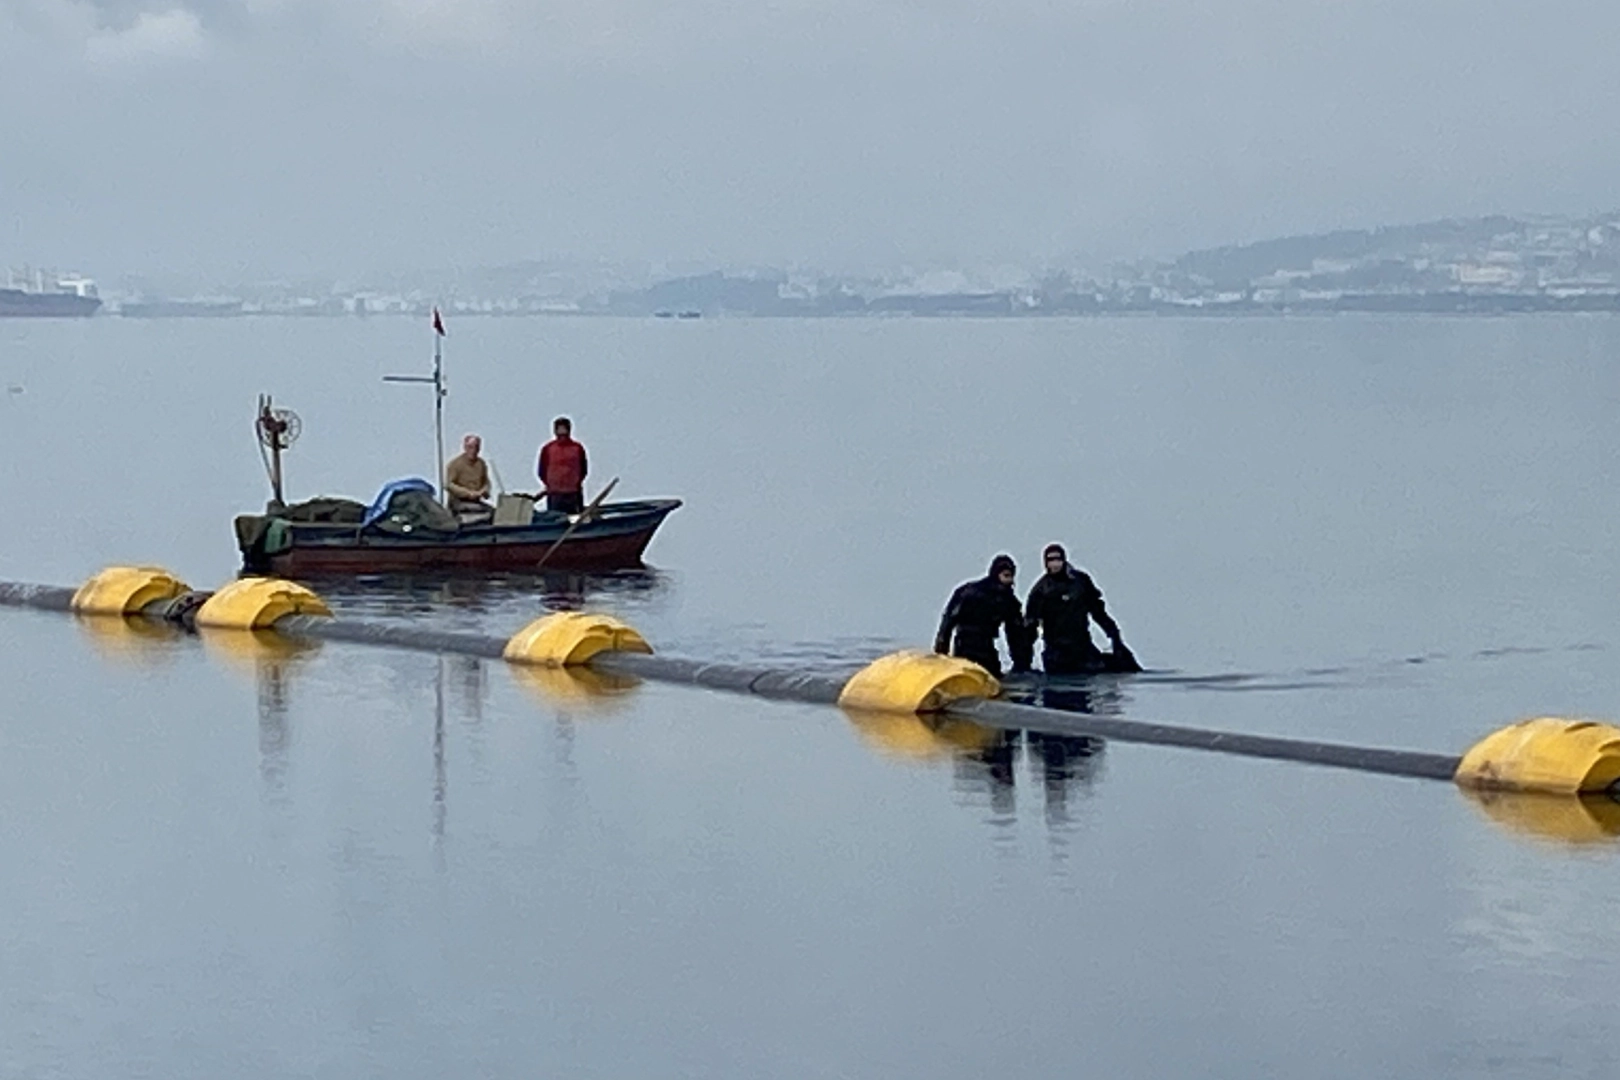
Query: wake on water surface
column 1098, row 691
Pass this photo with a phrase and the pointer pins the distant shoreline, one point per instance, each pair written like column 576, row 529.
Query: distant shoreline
column 941, row 308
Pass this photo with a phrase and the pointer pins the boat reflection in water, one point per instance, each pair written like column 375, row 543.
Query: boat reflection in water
column 460, row 684
column 497, row 603
column 274, row 661
column 469, row 676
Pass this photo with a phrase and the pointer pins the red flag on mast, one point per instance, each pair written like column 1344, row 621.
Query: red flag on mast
column 438, row 323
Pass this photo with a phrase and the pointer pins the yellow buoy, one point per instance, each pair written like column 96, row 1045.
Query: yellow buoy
column 1546, row 754
column 125, row 590
column 256, row 603
column 916, row 682
column 567, row 638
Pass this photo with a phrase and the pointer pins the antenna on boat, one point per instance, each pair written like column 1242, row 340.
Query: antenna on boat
column 436, row 380
column 277, row 429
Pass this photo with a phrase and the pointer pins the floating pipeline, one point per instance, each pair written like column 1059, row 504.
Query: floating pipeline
column 43, row 597
column 1543, row 755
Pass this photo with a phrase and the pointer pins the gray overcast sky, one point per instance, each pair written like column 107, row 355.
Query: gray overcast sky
column 255, row 137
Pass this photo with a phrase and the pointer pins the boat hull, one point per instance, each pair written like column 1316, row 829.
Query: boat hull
column 16, row 304
column 616, row 541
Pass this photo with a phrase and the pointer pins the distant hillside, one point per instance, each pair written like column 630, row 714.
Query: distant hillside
column 712, row 294
column 1234, row 267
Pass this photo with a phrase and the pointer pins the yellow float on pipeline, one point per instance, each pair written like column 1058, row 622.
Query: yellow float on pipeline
column 916, row 682
column 255, row 603
column 125, row 590
column 1547, row 754
column 570, row 638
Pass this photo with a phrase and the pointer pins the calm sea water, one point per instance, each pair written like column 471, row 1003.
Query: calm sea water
column 349, row 862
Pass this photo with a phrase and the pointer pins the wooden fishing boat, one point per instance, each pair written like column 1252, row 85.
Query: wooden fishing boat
column 408, row 529
column 613, row 536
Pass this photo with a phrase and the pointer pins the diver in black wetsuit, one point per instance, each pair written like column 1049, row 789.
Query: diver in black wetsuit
column 1062, row 605
column 976, row 614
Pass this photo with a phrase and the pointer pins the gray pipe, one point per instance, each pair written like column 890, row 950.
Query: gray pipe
column 1007, row 714
column 319, row 628
column 817, row 689
column 44, row 597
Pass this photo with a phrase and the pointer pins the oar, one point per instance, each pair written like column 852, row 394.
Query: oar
column 584, row 515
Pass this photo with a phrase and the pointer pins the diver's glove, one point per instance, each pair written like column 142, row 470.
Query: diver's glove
column 1124, row 659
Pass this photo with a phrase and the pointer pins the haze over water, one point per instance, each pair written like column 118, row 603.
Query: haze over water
column 349, row 861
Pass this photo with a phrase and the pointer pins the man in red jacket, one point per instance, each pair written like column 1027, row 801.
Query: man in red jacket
column 562, row 469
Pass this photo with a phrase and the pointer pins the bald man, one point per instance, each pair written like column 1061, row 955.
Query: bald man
column 466, row 479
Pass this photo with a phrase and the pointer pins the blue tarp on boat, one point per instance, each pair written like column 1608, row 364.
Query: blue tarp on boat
column 385, row 498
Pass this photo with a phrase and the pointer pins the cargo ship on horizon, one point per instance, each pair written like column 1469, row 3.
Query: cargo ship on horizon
column 48, row 295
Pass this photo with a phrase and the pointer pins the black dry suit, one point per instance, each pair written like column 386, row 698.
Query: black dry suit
column 1061, row 606
column 976, row 613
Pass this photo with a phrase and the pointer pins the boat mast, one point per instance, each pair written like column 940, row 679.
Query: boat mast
column 438, row 403
column 436, row 380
